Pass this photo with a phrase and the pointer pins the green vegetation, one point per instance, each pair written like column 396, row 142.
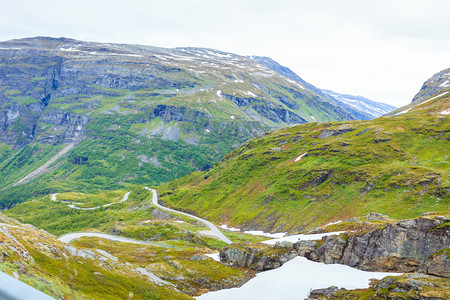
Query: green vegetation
column 396, row 166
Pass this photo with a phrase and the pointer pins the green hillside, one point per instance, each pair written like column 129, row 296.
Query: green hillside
column 395, row 165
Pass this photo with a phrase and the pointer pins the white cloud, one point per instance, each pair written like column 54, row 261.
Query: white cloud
column 381, row 49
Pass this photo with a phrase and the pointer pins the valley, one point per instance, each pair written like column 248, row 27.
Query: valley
column 138, row 172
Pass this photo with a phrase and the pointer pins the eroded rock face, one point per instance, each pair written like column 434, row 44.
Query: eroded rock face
column 256, row 259
column 406, row 246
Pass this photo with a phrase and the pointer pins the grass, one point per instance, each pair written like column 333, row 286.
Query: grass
column 391, row 165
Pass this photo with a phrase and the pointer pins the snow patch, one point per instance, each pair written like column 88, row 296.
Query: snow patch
column 445, row 84
column 402, row 112
column 214, row 256
column 312, row 117
column 219, row 93
column 300, row 157
column 445, row 112
column 179, row 221
column 332, row 223
column 232, row 117
column 229, row 228
column 207, row 130
column 262, row 233
column 249, row 93
column 301, row 237
column 434, row 97
column 295, row 83
column 295, row 279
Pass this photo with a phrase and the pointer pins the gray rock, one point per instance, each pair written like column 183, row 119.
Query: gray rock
column 407, row 246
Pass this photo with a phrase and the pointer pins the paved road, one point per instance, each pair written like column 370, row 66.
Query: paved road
column 74, row 206
column 67, row 238
column 211, row 226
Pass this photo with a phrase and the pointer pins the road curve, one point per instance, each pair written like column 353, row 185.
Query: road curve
column 67, row 238
column 211, row 226
column 125, row 198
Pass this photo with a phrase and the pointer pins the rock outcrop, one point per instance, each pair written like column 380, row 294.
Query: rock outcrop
column 406, row 246
column 259, row 258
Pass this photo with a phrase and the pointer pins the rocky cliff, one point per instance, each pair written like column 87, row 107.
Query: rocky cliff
column 415, row 245
column 406, row 246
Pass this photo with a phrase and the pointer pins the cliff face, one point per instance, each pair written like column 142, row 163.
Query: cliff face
column 417, row 245
column 407, row 246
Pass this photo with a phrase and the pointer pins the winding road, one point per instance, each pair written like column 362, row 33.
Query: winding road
column 125, row 198
column 67, row 238
column 211, row 226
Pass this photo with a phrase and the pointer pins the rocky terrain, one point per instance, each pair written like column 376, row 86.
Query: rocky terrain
column 418, row 245
column 437, row 83
column 415, row 245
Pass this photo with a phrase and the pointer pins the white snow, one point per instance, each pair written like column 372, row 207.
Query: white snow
column 296, row 83
column 271, row 235
column 207, row 130
column 312, row 117
column 69, row 49
column 54, row 197
column 332, row 223
column 239, row 81
column 445, row 112
column 434, row 97
column 229, row 228
column 249, row 93
column 179, row 221
column 445, row 84
column 295, row 279
column 300, row 157
column 232, row 117
column 402, row 112
column 219, row 93
column 301, row 237
column 214, row 256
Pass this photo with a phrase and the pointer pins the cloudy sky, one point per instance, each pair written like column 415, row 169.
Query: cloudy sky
column 380, row 49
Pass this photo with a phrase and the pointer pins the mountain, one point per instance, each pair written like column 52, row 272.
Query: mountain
column 360, row 107
column 309, row 175
column 438, row 82
column 363, row 108
column 84, row 115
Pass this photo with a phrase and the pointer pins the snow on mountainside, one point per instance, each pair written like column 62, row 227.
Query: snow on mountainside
column 438, row 82
column 361, row 106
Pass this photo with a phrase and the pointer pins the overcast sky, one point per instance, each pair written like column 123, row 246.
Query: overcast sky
column 380, row 49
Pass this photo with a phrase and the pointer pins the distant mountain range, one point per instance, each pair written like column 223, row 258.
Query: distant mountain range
column 359, row 107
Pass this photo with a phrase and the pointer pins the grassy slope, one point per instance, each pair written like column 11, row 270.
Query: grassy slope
column 393, row 165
